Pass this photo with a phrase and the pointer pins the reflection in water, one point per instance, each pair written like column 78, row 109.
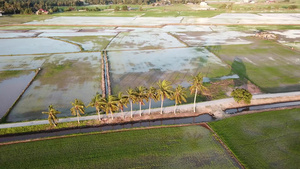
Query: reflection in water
column 11, row 89
column 76, row 75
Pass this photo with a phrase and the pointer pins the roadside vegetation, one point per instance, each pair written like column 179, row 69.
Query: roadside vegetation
column 180, row 147
column 263, row 140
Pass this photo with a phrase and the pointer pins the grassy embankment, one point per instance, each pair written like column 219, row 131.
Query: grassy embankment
column 44, row 127
column 180, row 147
column 263, row 140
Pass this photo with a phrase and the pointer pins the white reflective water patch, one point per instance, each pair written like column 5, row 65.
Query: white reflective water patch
column 35, row 46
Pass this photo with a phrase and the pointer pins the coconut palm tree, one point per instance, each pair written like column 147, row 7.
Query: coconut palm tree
column 96, row 102
column 197, row 86
column 110, row 105
column 132, row 98
column 164, row 91
column 179, row 95
column 151, row 93
column 78, row 107
column 140, row 96
column 122, row 101
column 52, row 115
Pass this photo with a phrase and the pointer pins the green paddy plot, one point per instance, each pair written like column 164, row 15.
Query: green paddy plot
column 63, row 78
column 134, row 68
column 263, row 140
column 269, row 65
column 90, row 43
column 180, row 147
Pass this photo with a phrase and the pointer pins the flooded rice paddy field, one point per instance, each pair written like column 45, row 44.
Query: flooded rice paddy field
column 35, row 46
column 22, row 62
column 142, row 40
column 135, row 68
column 63, row 78
column 12, row 84
column 138, row 56
column 89, row 43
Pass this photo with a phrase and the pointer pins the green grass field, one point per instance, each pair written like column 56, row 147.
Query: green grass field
column 19, row 19
column 269, row 65
column 180, row 147
column 263, row 140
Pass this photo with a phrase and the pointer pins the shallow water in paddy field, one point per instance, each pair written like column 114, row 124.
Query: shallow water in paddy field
column 21, row 62
column 79, row 77
column 164, row 60
column 35, row 46
column 134, row 68
column 144, row 40
column 213, row 38
column 11, row 88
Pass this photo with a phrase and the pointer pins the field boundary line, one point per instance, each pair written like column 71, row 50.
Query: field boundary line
column 224, row 145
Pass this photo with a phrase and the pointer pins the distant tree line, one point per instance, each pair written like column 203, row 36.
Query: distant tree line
column 30, row 6
column 140, row 2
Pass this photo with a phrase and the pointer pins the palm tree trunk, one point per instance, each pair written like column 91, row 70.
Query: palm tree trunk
column 99, row 117
column 140, row 108
column 195, row 100
column 77, row 116
column 131, row 108
column 150, row 106
column 53, row 122
column 122, row 113
column 161, row 104
column 112, row 116
column 175, row 108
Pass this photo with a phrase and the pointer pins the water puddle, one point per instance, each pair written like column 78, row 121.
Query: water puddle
column 262, row 107
column 148, row 123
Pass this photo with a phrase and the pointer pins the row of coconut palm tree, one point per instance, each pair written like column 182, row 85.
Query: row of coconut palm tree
column 139, row 95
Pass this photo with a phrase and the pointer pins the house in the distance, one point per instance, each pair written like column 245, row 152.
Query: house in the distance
column 41, row 12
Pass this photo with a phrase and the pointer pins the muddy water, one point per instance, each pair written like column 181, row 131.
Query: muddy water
column 185, row 120
column 77, row 77
column 10, row 90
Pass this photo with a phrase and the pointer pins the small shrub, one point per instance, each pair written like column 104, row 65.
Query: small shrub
column 292, row 7
column 241, row 95
column 223, row 6
column 117, row 8
column 124, row 8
